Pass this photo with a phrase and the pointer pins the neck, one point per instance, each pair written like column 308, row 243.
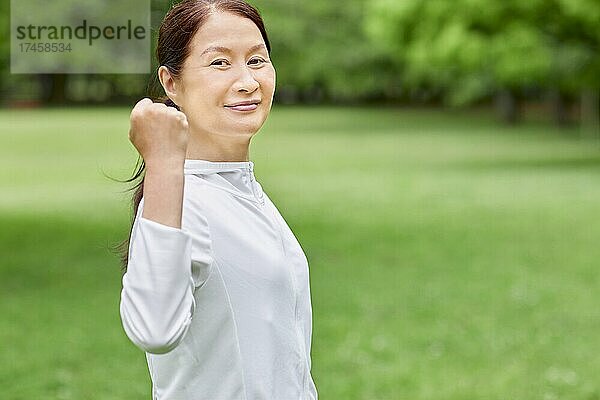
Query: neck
column 217, row 148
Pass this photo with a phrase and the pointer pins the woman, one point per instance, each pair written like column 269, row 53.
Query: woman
column 216, row 289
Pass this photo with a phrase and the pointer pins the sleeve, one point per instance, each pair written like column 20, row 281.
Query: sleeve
column 165, row 266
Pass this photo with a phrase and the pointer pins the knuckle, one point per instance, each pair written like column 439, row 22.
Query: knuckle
column 142, row 103
column 154, row 109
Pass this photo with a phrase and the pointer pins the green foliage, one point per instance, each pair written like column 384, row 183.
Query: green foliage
column 471, row 48
column 4, row 44
column 460, row 50
column 321, row 51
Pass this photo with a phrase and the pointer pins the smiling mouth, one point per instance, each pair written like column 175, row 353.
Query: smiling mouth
column 244, row 107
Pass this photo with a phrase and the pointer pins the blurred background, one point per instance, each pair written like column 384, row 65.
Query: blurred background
column 438, row 161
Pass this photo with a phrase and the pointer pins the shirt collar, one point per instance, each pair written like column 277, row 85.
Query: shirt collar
column 207, row 167
column 237, row 177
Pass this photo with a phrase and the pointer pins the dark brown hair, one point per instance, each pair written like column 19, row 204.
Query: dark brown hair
column 175, row 34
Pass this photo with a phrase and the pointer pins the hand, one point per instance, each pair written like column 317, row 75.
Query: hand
column 159, row 133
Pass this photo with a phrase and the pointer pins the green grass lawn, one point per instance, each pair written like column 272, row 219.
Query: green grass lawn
column 450, row 258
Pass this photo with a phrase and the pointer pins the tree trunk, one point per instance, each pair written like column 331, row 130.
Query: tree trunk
column 590, row 113
column 53, row 88
column 559, row 108
column 507, row 106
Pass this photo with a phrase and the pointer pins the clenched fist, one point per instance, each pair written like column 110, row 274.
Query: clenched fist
column 159, row 133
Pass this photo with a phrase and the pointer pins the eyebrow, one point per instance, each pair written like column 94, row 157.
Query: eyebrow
column 222, row 49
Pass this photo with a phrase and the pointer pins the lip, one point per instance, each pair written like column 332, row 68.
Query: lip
column 243, row 103
column 244, row 108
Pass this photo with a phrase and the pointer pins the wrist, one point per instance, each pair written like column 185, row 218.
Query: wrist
column 164, row 166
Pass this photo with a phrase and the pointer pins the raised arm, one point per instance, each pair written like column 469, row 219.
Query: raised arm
column 157, row 300
column 160, row 134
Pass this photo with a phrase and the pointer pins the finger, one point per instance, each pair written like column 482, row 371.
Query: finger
column 181, row 116
column 175, row 113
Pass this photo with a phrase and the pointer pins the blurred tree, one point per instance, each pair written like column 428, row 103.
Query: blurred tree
column 477, row 48
column 360, row 50
column 321, row 52
column 61, row 88
column 4, row 48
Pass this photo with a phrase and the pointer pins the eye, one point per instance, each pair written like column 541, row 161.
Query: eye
column 257, row 59
column 216, row 62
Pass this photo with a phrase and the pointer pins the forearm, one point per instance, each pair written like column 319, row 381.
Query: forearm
column 163, row 193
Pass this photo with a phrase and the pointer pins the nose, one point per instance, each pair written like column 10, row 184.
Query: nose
column 246, row 81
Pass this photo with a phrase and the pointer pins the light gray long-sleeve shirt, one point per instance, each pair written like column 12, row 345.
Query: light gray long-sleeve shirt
column 221, row 306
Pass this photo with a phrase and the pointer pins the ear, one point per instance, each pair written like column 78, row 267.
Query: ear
column 168, row 83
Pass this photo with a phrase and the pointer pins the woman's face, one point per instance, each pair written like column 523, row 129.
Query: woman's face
column 228, row 64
